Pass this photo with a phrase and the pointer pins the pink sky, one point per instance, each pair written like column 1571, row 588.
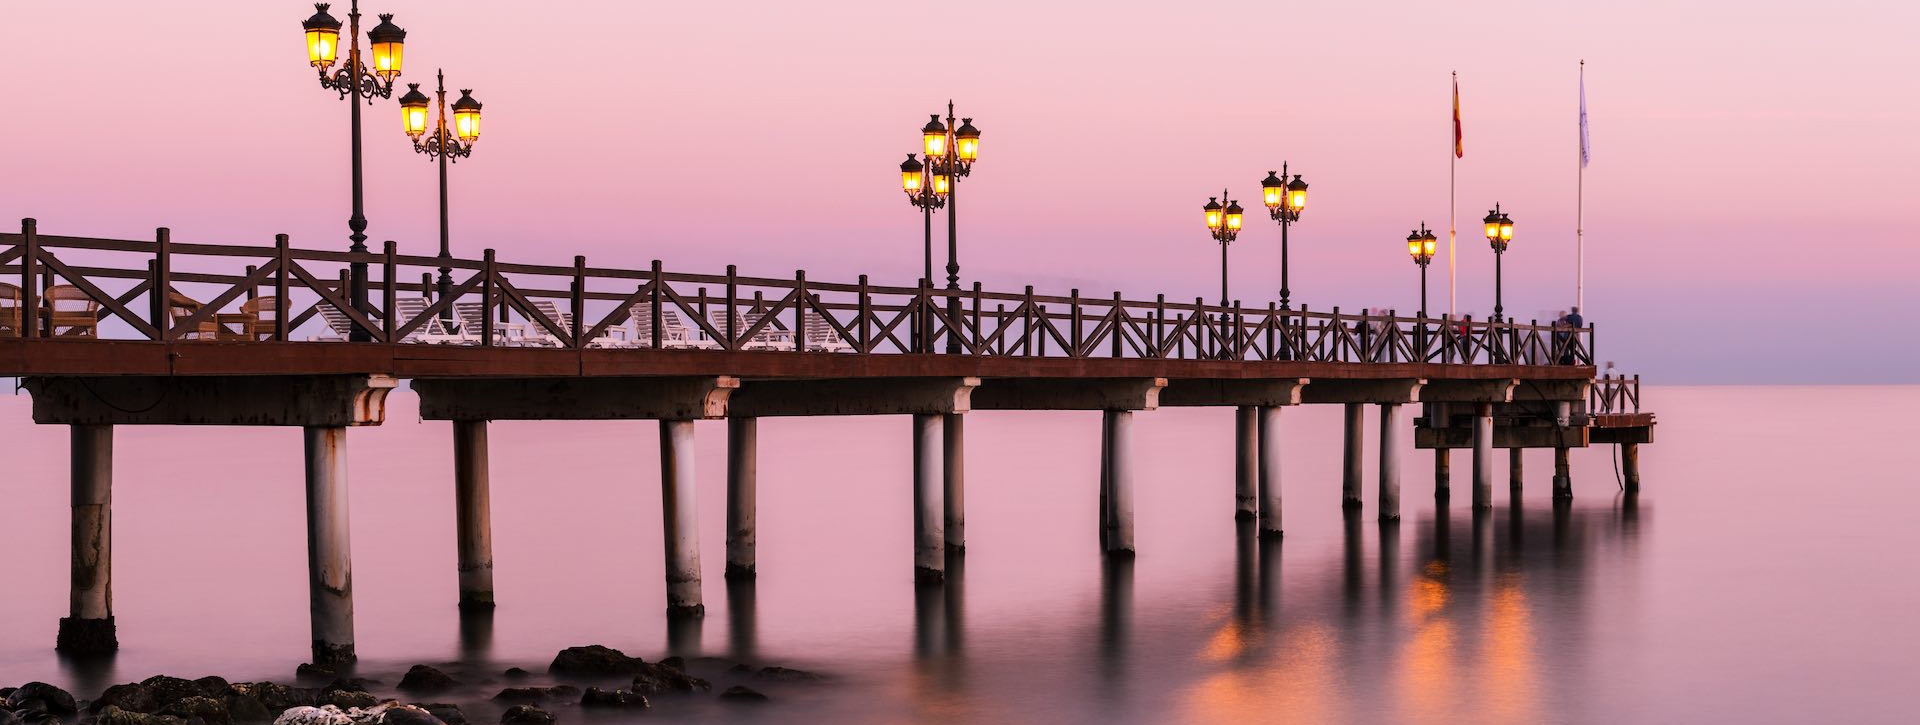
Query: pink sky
column 1749, row 205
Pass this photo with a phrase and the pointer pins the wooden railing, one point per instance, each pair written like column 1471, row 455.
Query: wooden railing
column 1614, row 394
column 496, row 303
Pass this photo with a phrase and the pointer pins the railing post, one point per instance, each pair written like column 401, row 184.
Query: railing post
column 922, row 304
column 1026, row 327
column 579, row 301
column 976, row 319
column 388, row 280
column 1074, row 319
column 1159, row 325
column 1000, row 326
column 866, row 311
column 800, row 310
column 1116, row 325
column 1239, row 332
column 162, row 294
column 282, row 258
column 733, row 299
column 486, row 299
column 653, row 304
column 30, row 277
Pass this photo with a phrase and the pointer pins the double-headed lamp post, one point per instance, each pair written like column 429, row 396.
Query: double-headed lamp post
column 1285, row 201
column 355, row 81
column 927, row 190
column 1420, row 244
column 1499, row 234
column 1223, row 224
column 448, row 143
column 950, row 151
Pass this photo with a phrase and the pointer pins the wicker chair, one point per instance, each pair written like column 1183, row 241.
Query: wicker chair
column 261, row 313
column 71, row 312
column 9, row 310
column 180, row 307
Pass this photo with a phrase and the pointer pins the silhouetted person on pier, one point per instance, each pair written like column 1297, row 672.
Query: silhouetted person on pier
column 1572, row 324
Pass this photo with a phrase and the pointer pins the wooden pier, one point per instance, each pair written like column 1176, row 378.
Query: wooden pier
column 270, row 334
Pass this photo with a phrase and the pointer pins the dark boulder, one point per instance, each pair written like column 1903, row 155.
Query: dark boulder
column 593, row 661
column 348, row 699
column 7, row 717
column 408, row 715
column 596, row 697
column 424, row 679
column 676, row 662
column 168, row 690
column 352, row 684
column 314, row 673
column 213, row 686
column 657, row 679
column 40, row 697
column 526, row 715
column 449, row 714
column 742, row 693
column 785, row 674
column 276, row 697
column 244, row 708
column 209, row 710
column 131, row 697
column 111, row 715
column 515, row 673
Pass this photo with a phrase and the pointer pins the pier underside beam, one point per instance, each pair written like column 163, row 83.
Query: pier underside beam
column 1560, row 391
column 1497, row 390
column 853, row 396
column 575, row 398
column 1346, row 390
column 88, row 629
column 290, row 400
column 1217, row 392
column 1069, row 394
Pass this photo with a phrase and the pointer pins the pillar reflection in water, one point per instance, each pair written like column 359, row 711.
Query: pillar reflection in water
column 1116, row 615
column 683, row 635
column 476, row 635
column 742, row 617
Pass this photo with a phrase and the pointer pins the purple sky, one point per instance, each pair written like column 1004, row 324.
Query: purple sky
column 1752, row 160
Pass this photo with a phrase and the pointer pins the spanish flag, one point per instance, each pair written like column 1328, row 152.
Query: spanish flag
column 1459, row 150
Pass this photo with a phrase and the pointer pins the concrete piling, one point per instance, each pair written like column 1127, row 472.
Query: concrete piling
column 1269, row 435
column 1117, row 443
column 329, row 561
column 1630, row 466
column 955, row 435
column 1483, row 456
column 473, row 514
column 929, row 538
column 88, row 629
column 1562, row 474
column 1442, row 473
column 743, row 436
column 1516, row 476
column 679, row 507
column 1351, row 470
column 1389, row 462
column 1246, row 462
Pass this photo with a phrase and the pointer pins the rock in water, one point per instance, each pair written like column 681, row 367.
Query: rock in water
column 655, row 679
column 533, row 695
column 111, row 715
column 276, row 697
column 424, row 679
column 515, row 673
column 309, row 715
column 449, row 714
column 785, row 674
column 132, row 697
column 168, row 690
column 348, row 699
column 408, row 715
column 310, row 671
column 213, row 686
column 245, row 708
column 593, row 661
column 526, row 715
column 209, row 710
column 596, row 697
column 41, row 697
column 742, row 693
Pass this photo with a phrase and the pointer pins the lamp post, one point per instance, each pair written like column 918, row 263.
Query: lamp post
column 1223, row 224
column 1499, row 234
column 950, row 151
column 1420, row 244
column 447, row 144
column 355, row 81
column 927, row 190
column 1285, row 201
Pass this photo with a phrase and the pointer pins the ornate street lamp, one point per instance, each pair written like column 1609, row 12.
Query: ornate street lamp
column 1285, row 201
column 950, row 152
column 356, row 81
column 448, row 143
column 1223, row 224
column 1499, row 234
column 1420, row 244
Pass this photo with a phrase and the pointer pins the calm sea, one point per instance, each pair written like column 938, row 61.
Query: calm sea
column 1767, row 575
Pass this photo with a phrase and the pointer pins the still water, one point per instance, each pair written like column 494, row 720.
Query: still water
column 1767, row 574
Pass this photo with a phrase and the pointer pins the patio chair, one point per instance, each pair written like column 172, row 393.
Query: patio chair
column 179, row 308
column 472, row 322
column 70, row 312
column 673, row 333
column 434, row 332
column 821, row 335
column 9, row 310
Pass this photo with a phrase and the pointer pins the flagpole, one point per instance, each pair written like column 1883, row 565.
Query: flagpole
column 1452, row 160
column 1580, row 202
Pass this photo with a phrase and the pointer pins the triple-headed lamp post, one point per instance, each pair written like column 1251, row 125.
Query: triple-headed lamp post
column 355, row 81
column 449, row 143
column 1285, row 200
column 1223, row 224
column 1420, row 244
column 1499, row 234
column 950, row 151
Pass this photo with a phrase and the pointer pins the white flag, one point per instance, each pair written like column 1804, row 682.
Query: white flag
column 1586, row 149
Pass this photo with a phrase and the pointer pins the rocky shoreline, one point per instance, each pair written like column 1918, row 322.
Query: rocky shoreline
column 591, row 677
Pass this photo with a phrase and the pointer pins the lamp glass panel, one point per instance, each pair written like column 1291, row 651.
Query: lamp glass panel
column 466, row 125
column 967, row 148
column 322, row 46
column 910, row 181
column 415, row 118
column 386, row 59
column 936, row 144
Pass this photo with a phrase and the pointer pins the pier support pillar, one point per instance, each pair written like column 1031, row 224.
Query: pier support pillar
column 679, row 507
column 1516, row 465
column 1562, row 474
column 929, row 537
column 329, row 561
column 88, row 629
column 1350, row 480
column 1389, row 504
column 1117, row 447
column 1483, row 456
column 1442, row 473
column 1630, row 466
column 473, row 514
column 1269, row 435
column 1246, row 461
column 954, row 431
column 743, row 472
